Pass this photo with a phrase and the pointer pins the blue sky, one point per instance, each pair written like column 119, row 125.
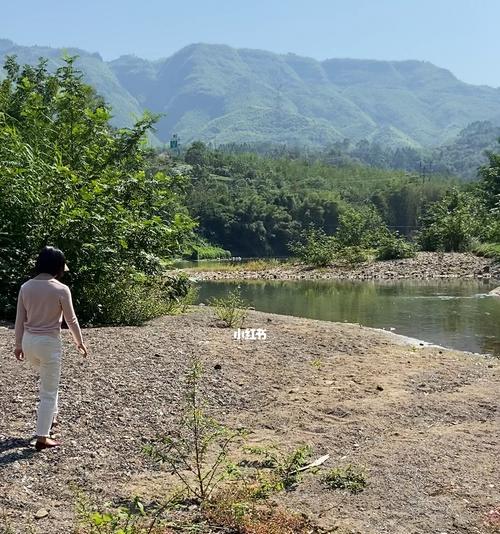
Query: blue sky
column 461, row 35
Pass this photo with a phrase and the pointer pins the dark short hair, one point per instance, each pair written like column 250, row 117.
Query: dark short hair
column 51, row 260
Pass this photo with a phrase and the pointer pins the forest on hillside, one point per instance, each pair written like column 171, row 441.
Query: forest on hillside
column 256, row 205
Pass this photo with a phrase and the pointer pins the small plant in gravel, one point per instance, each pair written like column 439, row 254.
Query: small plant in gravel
column 317, row 363
column 132, row 519
column 231, row 309
column 197, row 451
column 350, row 478
column 277, row 470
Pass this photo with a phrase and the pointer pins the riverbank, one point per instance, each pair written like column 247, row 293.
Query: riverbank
column 422, row 421
column 424, row 266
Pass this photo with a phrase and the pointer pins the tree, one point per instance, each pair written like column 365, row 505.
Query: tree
column 490, row 184
column 67, row 178
column 452, row 223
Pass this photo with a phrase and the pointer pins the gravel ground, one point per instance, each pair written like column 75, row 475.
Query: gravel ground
column 422, row 421
column 424, row 266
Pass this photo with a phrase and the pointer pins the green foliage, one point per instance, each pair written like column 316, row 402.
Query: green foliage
column 353, row 255
column 453, row 223
column 205, row 251
column 361, row 226
column 69, row 179
column 315, row 248
column 278, row 470
column 256, row 205
column 135, row 518
column 350, row 478
column 490, row 184
column 360, row 231
column 197, row 451
column 488, row 250
column 395, row 248
column 231, row 309
column 196, row 154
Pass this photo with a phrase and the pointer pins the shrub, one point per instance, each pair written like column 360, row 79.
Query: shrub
column 395, row 248
column 315, row 248
column 453, row 223
column 231, row 309
column 488, row 250
column 128, row 297
column 352, row 255
column 132, row 518
column 361, row 226
column 235, row 510
column 206, row 251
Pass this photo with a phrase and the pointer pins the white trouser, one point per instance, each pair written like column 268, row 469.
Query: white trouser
column 44, row 354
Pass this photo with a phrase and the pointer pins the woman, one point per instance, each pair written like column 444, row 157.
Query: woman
column 42, row 302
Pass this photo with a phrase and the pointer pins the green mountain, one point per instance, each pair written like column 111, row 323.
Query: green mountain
column 223, row 95
column 96, row 71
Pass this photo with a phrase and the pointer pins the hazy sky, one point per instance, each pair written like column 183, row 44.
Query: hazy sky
column 461, row 35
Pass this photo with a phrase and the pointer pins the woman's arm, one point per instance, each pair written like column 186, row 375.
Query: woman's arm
column 20, row 320
column 70, row 316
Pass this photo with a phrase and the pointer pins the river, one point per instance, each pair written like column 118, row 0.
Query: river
column 453, row 313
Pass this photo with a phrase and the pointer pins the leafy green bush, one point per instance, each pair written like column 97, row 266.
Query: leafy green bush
column 70, row 180
column 352, row 255
column 361, row 226
column 134, row 298
column 453, row 223
column 315, row 248
column 348, row 478
column 395, row 248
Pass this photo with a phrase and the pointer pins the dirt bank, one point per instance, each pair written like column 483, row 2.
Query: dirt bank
column 426, row 265
column 423, row 421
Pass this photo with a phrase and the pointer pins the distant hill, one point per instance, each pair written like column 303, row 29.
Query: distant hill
column 220, row 94
column 467, row 152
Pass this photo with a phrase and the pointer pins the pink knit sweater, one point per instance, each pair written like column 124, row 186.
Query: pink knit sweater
column 40, row 308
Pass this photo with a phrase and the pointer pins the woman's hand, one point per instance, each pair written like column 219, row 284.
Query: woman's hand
column 19, row 354
column 83, row 349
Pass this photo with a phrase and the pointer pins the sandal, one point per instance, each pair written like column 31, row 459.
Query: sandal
column 40, row 445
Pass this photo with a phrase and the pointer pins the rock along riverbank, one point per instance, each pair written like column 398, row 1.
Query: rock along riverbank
column 424, row 266
column 422, row 421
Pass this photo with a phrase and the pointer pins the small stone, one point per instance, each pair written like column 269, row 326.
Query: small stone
column 380, row 388
column 217, row 366
column 40, row 514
